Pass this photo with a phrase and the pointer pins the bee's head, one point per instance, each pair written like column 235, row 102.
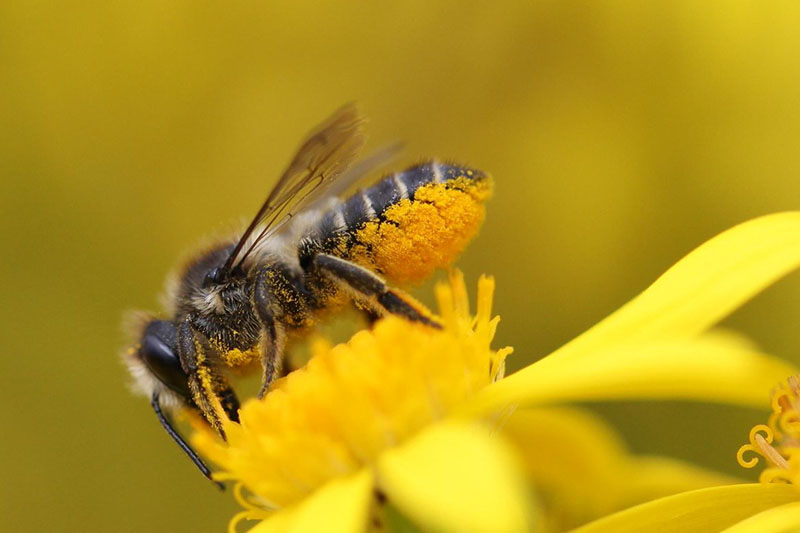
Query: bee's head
column 155, row 364
column 158, row 373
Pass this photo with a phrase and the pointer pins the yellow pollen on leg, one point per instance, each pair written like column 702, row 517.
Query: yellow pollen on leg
column 237, row 358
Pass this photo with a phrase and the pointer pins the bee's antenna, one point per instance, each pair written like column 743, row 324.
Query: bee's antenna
column 167, row 425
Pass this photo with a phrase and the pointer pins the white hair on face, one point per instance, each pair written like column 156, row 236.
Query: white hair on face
column 208, row 301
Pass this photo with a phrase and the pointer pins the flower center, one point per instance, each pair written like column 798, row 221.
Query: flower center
column 778, row 442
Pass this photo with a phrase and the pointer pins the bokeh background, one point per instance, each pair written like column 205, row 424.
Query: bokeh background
column 621, row 135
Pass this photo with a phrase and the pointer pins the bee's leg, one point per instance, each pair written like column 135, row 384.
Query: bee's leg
column 273, row 335
column 371, row 289
column 211, row 391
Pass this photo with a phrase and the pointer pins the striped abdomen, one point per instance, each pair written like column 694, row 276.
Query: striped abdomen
column 409, row 223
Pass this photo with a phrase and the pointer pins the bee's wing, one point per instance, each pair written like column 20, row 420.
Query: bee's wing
column 325, row 154
column 338, row 186
column 319, row 196
column 354, row 176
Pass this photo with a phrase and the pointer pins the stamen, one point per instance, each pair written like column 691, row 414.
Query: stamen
column 444, row 299
column 483, row 314
column 754, row 446
column 780, row 399
column 770, row 453
column 784, row 428
column 460, row 296
column 497, row 366
column 485, row 296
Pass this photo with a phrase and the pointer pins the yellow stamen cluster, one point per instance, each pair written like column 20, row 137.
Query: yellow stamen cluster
column 779, row 440
column 355, row 400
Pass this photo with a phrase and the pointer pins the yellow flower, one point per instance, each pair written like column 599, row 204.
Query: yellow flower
column 411, row 414
column 351, row 413
column 773, row 504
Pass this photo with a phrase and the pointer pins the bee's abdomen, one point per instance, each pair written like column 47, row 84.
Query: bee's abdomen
column 411, row 222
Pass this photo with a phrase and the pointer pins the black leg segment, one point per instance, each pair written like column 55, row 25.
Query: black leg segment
column 371, row 288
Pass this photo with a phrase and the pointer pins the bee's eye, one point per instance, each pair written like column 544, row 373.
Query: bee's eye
column 214, row 277
column 158, row 351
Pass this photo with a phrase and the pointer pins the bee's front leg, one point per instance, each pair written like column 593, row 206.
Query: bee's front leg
column 273, row 335
column 370, row 289
column 210, row 389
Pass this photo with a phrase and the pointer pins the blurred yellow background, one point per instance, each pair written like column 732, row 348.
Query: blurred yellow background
column 621, row 135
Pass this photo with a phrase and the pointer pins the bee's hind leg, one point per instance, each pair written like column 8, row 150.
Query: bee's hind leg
column 209, row 387
column 370, row 289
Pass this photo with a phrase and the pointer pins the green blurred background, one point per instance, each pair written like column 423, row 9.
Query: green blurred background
column 621, row 135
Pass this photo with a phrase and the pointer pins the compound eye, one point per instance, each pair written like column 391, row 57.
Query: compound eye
column 214, row 277
column 159, row 353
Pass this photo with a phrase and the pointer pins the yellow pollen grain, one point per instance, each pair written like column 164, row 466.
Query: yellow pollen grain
column 207, row 384
column 237, row 358
column 425, row 233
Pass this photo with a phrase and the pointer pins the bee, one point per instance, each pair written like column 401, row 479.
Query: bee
column 310, row 248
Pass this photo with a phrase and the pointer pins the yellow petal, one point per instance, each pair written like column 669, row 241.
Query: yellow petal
column 457, row 477
column 698, row 511
column 572, row 458
column 588, row 473
column 714, row 367
column 577, row 444
column 341, row 506
column 651, row 477
column 703, row 287
column 783, row 519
